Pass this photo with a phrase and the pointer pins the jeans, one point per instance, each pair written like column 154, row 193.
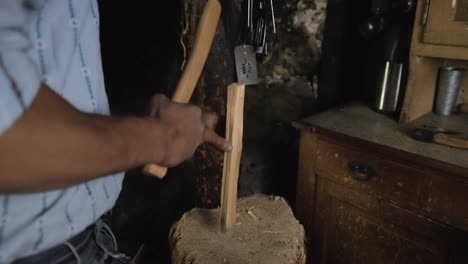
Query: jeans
column 95, row 245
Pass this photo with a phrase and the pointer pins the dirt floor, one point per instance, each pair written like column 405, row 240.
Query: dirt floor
column 266, row 232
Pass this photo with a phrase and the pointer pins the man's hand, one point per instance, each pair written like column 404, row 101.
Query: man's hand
column 187, row 127
column 53, row 145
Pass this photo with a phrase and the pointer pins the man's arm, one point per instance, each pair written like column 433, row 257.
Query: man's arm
column 53, row 145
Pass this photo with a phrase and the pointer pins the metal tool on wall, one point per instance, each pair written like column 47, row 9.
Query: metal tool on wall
column 244, row 54
column 258, row 29
column 264, row 23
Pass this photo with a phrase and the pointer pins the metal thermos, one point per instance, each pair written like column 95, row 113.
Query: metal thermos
column 388, row 91
column 448, row 87
column 389, row 61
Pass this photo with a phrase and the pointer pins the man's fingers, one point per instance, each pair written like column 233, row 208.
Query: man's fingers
column 212, row 138
column 157, row 101
column 210, row 120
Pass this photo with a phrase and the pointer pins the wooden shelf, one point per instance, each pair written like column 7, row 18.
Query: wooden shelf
column 422, row 83
column 441, row 52
column 426, row 59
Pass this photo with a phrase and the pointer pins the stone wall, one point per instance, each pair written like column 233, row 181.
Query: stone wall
column 286, row 91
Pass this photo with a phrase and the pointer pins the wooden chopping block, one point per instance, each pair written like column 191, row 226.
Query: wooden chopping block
column 257, row 229
column 266, row 232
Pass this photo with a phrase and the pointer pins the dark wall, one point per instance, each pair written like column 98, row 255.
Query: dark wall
column 358, row 40
column 287, row 91
column 141, row 56
column 140, row 50
column 343, row 64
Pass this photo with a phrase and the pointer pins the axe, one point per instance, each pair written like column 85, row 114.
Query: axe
column 204, row 39
column 439, row 136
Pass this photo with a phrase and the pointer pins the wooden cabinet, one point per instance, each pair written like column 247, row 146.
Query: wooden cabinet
column 447, row 200
column 442, row 28
column 363, row 202
column 440, row 38
column 368, row 172
column 354, row 233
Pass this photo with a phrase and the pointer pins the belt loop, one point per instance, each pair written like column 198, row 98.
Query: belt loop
column 100, row 228
column 73, row 250
column 114, row 240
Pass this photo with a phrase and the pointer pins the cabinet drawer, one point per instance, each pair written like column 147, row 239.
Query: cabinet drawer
column 447, row 200
column 357, row 237
column 357, row 228
column 441, row 27
column 370, row 173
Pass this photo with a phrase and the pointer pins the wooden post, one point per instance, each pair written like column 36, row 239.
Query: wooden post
column 211, row 95
column 234, row 129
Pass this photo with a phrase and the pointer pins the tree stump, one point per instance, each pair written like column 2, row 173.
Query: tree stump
column 265, row 232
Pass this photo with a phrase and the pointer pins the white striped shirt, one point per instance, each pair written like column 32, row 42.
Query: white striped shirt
column 56, row 42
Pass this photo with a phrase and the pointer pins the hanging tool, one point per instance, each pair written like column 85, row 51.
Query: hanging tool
column 264, row 20
column 204, row 39
column 261, row 29
column 244, row 54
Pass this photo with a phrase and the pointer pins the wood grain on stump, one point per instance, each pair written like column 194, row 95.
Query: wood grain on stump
column 266, row 232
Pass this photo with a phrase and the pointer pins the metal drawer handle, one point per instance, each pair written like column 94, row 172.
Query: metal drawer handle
column 361, row 171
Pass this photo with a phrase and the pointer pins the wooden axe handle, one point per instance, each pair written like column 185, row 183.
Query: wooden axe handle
column 451, row 141
column 206, row 31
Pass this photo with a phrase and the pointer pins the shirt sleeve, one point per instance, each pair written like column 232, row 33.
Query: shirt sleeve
column 19, row 76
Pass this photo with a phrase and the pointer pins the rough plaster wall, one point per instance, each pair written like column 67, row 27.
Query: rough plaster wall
column 287, row 91
column 297, row 47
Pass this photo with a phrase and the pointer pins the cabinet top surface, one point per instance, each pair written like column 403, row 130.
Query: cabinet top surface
column 361, row 122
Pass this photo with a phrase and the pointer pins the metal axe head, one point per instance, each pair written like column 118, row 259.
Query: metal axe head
column 246, row 64
column 427, row 134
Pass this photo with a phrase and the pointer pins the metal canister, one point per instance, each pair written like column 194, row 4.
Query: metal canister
column 448, row 86
column 388, row 92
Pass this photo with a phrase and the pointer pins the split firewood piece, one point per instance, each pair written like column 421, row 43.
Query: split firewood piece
column 234, row 130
